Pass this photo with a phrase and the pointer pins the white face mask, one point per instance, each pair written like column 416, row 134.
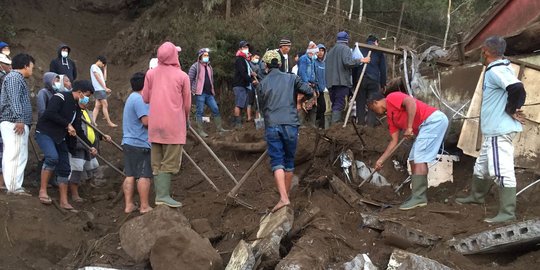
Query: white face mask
column 245, row 51
column 64, row 54
column 6, row 52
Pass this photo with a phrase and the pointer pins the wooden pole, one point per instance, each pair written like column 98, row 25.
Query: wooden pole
column 236, row 188
column 374, row 171
column 213, row 154
column 100, row 157
column 102, row 134
column 200, row 171
column 355, row 92
column 228, row 10
column 447, row 24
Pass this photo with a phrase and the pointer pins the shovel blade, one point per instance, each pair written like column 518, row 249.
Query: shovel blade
column 259, row 123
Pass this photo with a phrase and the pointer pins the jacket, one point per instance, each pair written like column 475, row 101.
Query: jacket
column 376, row 68
column 339, row 63
column 320, row 71
column 306, row 69
column 61, row 65
column 46, row 93
column 168, row 92
column 196, row 85
column 61, row 111
column 241, row 76
column 285, row 63
column 15, row 103
column 277, row 94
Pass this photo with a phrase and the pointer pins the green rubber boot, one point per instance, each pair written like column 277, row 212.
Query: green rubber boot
column 200, row 129
column 479, row 190
column 418, row 196
column 219, row 124
column 336, row 117
column 507, row 202
column 162, row 184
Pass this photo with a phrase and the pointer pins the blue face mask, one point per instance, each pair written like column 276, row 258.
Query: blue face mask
column 84, row 100
column 206, row 59
column 314, row 57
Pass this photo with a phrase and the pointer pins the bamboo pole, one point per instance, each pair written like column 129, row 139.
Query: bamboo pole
column 100, row 157
column 102, row 134
column 200, row 171
column 235, row 189
column 355, row 92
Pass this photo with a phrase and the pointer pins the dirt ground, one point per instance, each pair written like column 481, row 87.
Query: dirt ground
column 34, row 236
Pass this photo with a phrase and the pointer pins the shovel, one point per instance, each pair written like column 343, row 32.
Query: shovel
column 259, row 120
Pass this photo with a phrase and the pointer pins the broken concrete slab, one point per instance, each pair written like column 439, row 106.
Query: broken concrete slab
column 372, row 221
column 347, row 193
column 519, row 234
column 138, row 235
column 242, row 257
column 360, row 262
column 301, row 222
column 273, row 227
column 398, row 233
column 403, row 260
column 184, row 250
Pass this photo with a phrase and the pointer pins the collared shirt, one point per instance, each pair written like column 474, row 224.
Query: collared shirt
column 15, row 103
column 494, row 120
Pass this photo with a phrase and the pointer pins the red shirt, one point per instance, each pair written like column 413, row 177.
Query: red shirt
column 396, row 115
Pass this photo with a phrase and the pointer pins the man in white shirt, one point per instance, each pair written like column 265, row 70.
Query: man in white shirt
column 99, row 78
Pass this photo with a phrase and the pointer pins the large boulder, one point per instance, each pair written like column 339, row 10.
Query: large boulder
column 184, row 250
column 138, row 235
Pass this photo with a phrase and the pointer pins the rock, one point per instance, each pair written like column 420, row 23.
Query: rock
column 403, row 260
column 138, row 235
column 242, row 257
column 184, row 250
column 273, row 227
column 360, row 262
column 202, row 226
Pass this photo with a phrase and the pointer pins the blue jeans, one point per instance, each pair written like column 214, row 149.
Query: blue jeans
column 281, row 142
column 56, row 157
column 210, row 101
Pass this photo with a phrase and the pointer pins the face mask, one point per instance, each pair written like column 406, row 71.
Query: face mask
column 64, row 54
column 57, row 86
column 84, row 100
column 6, row 52
column 206, row 59
column 245, row 51
column 314, row 57
column 255, row 61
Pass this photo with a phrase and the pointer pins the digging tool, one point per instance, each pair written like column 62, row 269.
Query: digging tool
column 530, row 185
column 355, row 92
column 200, row 171
column 100, row 157
column 234, row 191
column 374, row 171
column 398, row 188
column 102, row 134
column 259, row 120
column 213, row 154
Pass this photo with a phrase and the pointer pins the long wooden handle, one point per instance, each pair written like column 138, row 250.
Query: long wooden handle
column 100, row 157
column 200, row 171
column 235, row 189
column 102, row 133
column 389, row 155
column 356, row 91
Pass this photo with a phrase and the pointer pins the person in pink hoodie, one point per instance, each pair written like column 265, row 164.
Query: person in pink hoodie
column 167, row 90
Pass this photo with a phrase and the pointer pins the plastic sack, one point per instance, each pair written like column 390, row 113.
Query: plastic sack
column 356, row 53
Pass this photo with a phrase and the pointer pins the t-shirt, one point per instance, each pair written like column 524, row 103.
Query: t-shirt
column 95, row 83
column 207, row 85
column 135, row 133
column 494, row 120
column 396, row 115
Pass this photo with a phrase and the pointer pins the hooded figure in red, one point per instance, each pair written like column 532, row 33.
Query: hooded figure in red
column 168, row 92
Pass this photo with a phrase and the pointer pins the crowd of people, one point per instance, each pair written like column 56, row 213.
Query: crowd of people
column 312, row 93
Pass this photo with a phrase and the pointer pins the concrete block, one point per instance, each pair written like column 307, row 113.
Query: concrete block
column 441, row 170
column 397, row 231
column 360, row 262
column 519, row 234
column 242, row 257
column 403, row 260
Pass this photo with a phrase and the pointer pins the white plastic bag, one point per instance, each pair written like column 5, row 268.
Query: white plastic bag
column 356, row 53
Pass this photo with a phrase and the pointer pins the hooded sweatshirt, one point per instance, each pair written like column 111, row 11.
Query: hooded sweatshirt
column 64, row 65
column 320, row 71
column 46, row 93
column 167, row 90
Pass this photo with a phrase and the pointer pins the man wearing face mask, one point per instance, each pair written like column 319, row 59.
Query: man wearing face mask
column 306, row 72
column 5, row 67
column 242, row 81
column 201, row 76
column 4, row 48
column 63, row 64
column 51, row 86
column 56, row 132
column 255, row 65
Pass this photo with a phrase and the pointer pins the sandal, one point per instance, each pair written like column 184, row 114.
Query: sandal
column 70, row 209
column 45, row 200
column 78, row 200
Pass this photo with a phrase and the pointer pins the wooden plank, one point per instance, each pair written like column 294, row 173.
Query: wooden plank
column 400, row 53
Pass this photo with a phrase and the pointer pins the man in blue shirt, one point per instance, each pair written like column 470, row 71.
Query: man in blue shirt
column 137, row 162
column 320, row 80
column 306, row 72
column 500, row 120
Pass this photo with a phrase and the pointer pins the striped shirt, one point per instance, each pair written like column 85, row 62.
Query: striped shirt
column 15, row 103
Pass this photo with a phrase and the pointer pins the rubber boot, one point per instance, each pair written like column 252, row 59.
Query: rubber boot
column 418, row 196
column 200, row 129
column 237, row 122
column 327, row 120
column 219, row 124
column 162, row 185
column 479, row 190
column 507, row 202
column 336, row 117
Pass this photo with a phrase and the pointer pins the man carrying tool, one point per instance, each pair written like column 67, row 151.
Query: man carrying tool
column 277, row 92
column 501, row 118
column 414, row 118
column 167, row 90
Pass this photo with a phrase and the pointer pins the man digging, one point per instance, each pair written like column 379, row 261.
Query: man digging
column 418, row 119
column 278, row 103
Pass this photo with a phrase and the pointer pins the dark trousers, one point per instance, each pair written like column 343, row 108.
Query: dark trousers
column 367, row 87
column 338, row 94
column 321, row 109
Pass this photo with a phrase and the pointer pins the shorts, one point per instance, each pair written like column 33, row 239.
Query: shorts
column 250, row 98
column 100, row 94
column 430, row 137
column 137, row 162
column 281, row 141
column 496, row 160
column 240, row 96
